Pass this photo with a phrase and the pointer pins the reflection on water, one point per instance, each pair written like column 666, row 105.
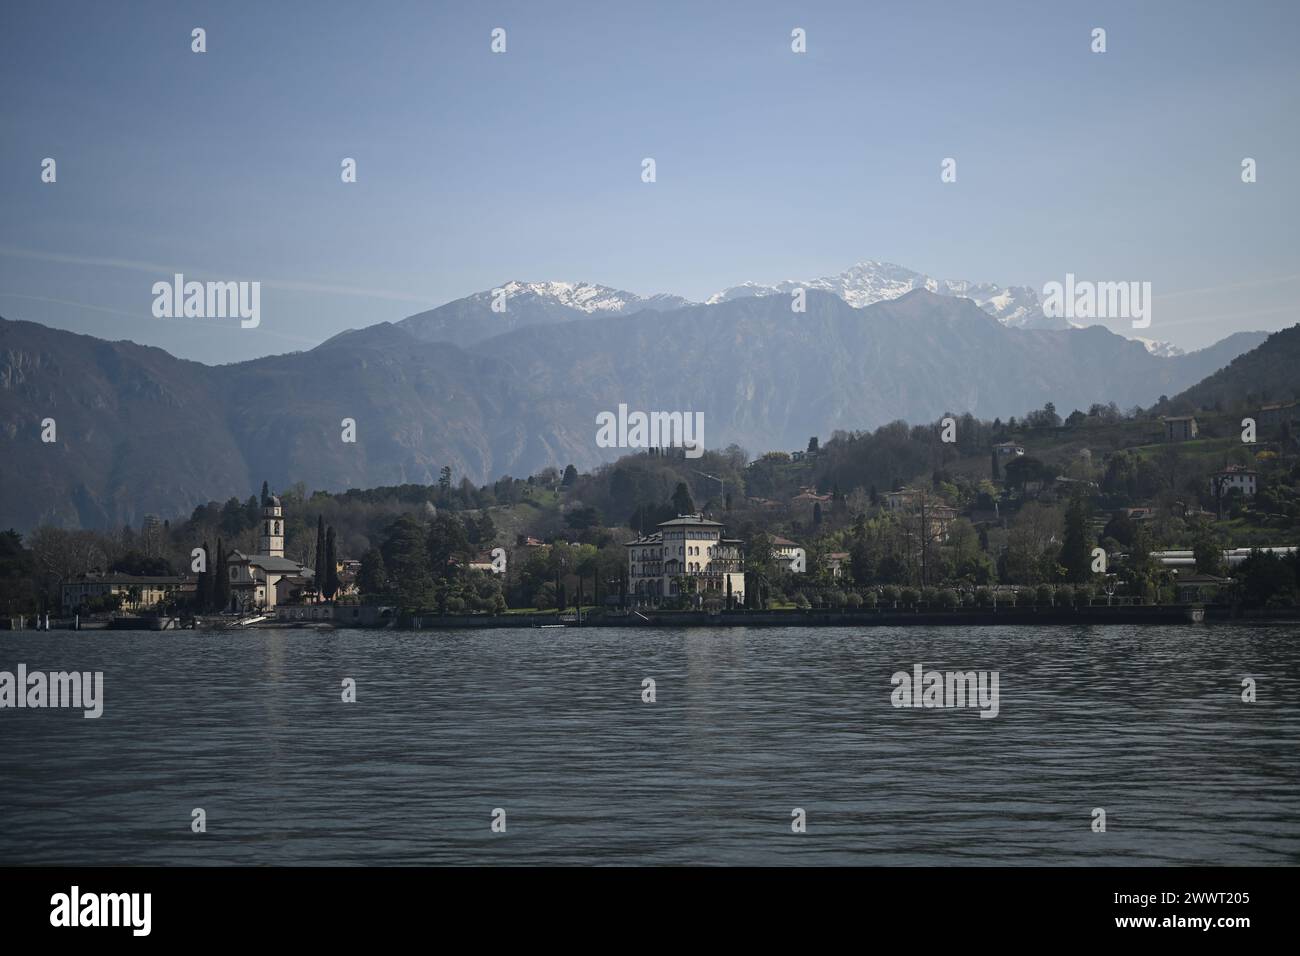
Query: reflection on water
column 1147, row 723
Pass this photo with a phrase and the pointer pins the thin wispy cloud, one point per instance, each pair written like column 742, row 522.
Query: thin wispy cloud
column 77, row 305
column 1232, row 287
column 1221, row 316
column 51, row 300
column 156, row 268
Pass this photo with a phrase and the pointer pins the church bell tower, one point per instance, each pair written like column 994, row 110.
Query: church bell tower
column 271, row 542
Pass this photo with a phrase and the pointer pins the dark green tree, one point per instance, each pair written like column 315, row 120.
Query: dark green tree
column 446, row 540
column 319, row 569
column 682, row 500
column 373, row 577
column 406, row 556
column 862, row 561
column 1208, row 553
column 17, row 574
column 232, row 517
column 582, row 518
column 1076, row 550
column 221, row 580
column 1120, row 527
column 203, row 583
column 759, row 571
column 331, row 566
column 252, row 513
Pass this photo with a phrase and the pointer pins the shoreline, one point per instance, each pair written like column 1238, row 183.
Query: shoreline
column 1031, row 616
column 1022, row 616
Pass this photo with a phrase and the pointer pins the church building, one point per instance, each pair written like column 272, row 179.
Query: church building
column 259, row 582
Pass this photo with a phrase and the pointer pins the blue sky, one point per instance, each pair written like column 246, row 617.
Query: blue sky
column 477, row 168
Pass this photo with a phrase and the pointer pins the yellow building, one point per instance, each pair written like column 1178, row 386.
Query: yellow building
column 686, row 556
column 137, row 592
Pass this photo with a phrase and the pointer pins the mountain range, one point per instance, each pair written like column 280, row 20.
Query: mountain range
column 862, row 284
column 491, row 393
column 869, row 282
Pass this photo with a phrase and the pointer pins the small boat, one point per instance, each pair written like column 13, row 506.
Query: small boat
column 247, row 621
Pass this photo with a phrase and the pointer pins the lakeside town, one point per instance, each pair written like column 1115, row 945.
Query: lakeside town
column 1099, row 509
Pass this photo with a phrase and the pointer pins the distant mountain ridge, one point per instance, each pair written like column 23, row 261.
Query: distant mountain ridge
column 519, row 304
column 142, row 432
column 871, row 281
column 473, row 318
column 1269, row 373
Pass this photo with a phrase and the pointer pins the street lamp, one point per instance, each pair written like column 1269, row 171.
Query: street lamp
column 722, row 485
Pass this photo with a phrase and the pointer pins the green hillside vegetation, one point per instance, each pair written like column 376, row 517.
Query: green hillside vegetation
column 1262, row 375
column 970, row 519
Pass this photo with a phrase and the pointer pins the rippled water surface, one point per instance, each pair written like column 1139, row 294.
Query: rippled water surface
column 1147, row 723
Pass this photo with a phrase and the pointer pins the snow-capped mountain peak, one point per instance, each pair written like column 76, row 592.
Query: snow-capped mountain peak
column 1157, row 347
column 871, row 281
column 863, row 283
column 586, row 297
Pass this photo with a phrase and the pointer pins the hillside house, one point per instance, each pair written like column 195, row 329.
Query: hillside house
column 1234, row 477
column 804, row 505
column 789, row 555
column 1277, row 413
column 837, row 562
column 1180, row 428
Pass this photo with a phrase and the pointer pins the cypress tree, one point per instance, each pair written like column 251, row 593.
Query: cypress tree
column 214, row 570
column 331, row 567
column 221, row 580
column 1076, row 556
column 203, row 584
column 320, row 554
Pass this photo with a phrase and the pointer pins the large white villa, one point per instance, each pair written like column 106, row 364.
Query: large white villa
column 687, row 555
column 261, row 581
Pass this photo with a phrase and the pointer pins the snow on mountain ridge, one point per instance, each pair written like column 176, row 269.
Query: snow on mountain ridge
column 862, row 284
column 871, row 281
column 1160, row 348
column 589, row 297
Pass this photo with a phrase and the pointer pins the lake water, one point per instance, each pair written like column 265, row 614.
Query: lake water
column 549, row 725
